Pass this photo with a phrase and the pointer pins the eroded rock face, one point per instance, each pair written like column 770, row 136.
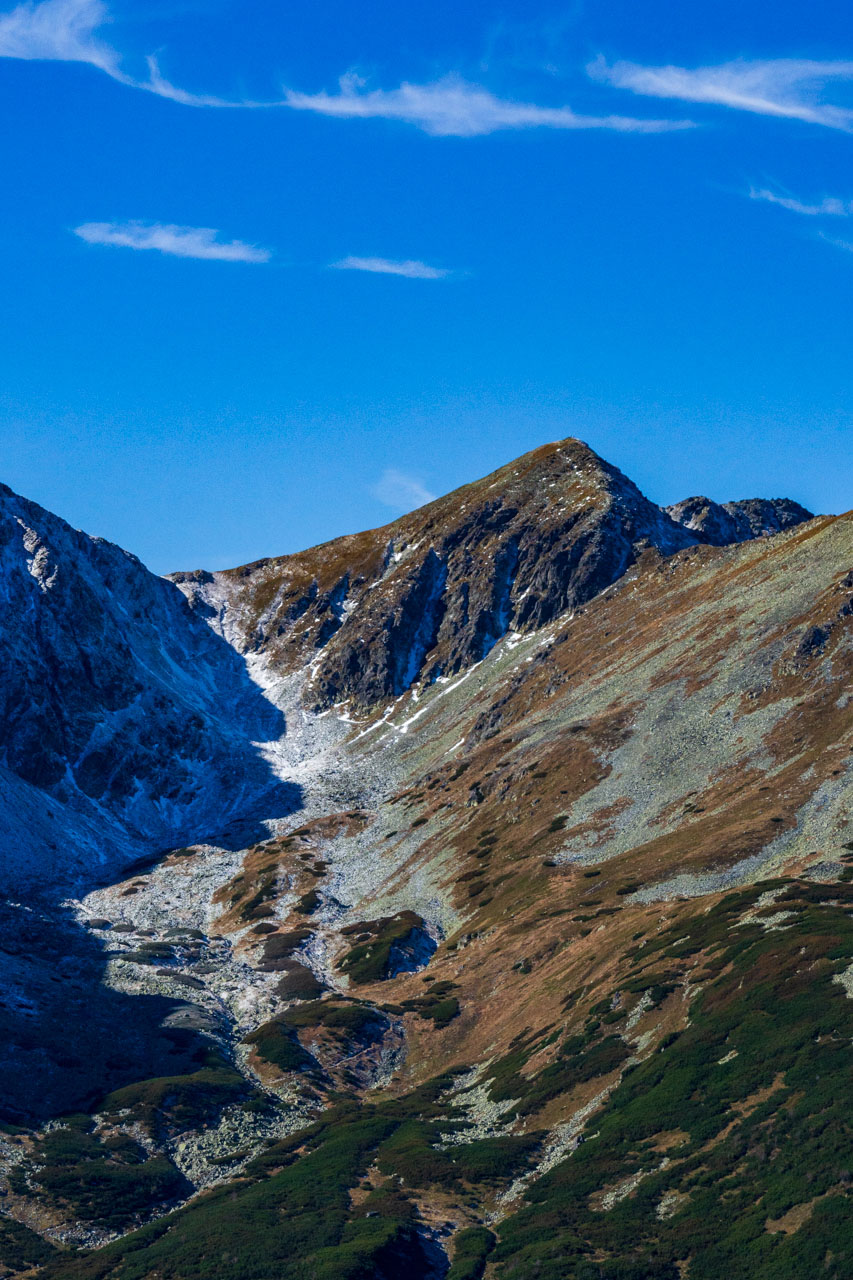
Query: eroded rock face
column 432, row 593
column 136, row 714
column 116, row 701
column 724, row 523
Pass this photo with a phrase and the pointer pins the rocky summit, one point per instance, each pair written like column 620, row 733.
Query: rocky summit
column 431, row 594
column 470, row 897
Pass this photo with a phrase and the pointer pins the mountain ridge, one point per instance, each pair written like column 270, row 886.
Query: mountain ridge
column 545, row 974
column 563, row 526
column 108, row 682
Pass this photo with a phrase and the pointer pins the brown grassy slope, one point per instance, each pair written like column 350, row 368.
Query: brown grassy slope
column 685, row 733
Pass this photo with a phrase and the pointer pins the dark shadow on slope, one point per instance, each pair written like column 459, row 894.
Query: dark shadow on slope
column 67, row 1041
column 122, row 712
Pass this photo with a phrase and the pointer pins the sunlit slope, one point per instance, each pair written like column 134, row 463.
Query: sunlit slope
column 629, row 834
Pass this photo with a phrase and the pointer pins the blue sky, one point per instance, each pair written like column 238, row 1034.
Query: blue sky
column 273, row 272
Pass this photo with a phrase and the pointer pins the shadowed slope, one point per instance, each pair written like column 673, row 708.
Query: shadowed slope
column 125, row 723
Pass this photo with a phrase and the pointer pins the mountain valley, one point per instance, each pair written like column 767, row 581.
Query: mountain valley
column 467, row 897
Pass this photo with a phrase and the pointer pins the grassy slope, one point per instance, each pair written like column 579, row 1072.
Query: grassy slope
column 733, row 1133
column 675, row 729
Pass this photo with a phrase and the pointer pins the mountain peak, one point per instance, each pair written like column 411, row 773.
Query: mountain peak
column 431, row 593
column 434, row 591
column 727, row 522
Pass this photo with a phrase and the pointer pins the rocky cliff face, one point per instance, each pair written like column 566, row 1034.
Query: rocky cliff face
column 724, row 523
column 433, row 592
column 116, row 702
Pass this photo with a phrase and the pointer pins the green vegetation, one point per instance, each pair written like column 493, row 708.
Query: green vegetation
column 299, row 983
column 290, row 1215
column 349, row 1023
column 412, row 1154
column 436, row 1003
column 308, row 903
column 173, row 1103
column 757, row 1084
column 346, row 1018
column 372, row 958
column 255, row 907
column 581, row 1058
column 110, row 1181
column 471, row 1248
column 293, row 1223
column 21, row 1248
column 277, row 1043
column 728, row 1150
column 285, row 943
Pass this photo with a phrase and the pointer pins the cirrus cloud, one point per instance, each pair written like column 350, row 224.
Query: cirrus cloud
column 791, row 88
column 179, row 242
column 828, row 207
column 410, row 268
column 65, row 31
column 451, row 107
column 59, row 31
column 846, row 245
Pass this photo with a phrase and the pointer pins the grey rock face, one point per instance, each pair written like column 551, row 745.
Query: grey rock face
column 432, row 593
column 724, row 523
column 125, row 698
column 116, row 701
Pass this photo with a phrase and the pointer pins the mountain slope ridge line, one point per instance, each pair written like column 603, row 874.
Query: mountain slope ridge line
column 505, row 894
column 567, row 522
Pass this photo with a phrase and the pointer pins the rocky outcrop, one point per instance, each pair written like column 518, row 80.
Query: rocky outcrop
column 430, row 594
column 724, row 523
column 135, row 713
column 116, row 701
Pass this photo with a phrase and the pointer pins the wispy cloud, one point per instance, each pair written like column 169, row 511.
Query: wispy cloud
column 787, row 87
column 180, row 242
column 451, row 107
column 400, row 491
column 847, row 245
column 157, row 83
column 412, row 269
column 68, row 31
column 828, row 207
column 65, row 31
column 58, row 30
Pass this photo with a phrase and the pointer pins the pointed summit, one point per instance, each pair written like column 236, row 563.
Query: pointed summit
column 434, row 591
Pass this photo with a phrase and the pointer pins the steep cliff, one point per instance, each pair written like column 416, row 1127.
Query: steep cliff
column 126, row 723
